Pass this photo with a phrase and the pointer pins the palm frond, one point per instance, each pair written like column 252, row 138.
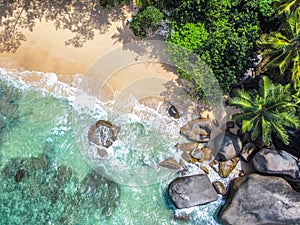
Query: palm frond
column 265, row 87
column 290, row 119
column 241, row 103
column 285, row 6
column 286, row 62
column 256, row 130
column 281, row 132
column 266, row 131
column 296, row 67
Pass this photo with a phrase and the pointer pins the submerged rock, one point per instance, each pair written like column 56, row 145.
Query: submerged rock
column 191, row 191
column 275, row 162
column 20, row 175
column 35, row 183
column 197, row 130
column 103, row 133
column 231, row 146
column 261, row 200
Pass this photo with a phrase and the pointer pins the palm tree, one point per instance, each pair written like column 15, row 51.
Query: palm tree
column 283, row 47
column 269, row 110
column 287, row 6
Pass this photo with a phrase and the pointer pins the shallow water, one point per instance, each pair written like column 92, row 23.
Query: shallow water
column 45, row 178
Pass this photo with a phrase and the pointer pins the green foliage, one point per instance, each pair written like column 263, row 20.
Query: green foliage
column 191, row 36
column 112, row 3
column 283, row 48
column 232, row 29
column 146, row 21
column 271, row 110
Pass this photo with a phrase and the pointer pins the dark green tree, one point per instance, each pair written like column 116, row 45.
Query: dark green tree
column 146, row 21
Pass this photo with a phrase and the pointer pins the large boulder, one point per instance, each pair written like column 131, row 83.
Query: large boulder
column 197, row 130
column 191, row 191
column 231, row 146
column 259, row 200
column 275, row 162
column 103, row 133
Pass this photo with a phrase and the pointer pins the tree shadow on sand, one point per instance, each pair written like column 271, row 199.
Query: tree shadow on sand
column 83, row 18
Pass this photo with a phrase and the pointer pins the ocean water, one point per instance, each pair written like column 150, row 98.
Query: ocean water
column 49, row 174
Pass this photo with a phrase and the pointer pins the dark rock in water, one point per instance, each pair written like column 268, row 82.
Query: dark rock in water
column 219, row 187
column 275, row 162
column 182, row 217
column 197, row 130
column 174, row 112
column 105, row 194
column 63, row 175
column 248, row 151
column 187, row 147
column 225, row 168
column 191, row 191
column 20, row 175
column 231, row 146
column 261, row 200
column 103, row 133
column 170, row 163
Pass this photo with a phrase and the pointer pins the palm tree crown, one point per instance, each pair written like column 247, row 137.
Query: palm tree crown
column 269, row 110
column 283, row 47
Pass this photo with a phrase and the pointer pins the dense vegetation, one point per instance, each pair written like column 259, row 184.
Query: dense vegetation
column 228, row 36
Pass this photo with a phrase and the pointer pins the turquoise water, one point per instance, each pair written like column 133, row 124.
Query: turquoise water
column 46, row 180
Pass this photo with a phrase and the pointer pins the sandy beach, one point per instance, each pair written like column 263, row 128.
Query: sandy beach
column 45, row 50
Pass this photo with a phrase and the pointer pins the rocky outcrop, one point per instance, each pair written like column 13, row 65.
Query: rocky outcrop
column 197, row 130
column 275, row 162
column 231, row 146
column 248, row 151
column 261, row 200
column 103, row 133
column 191, row 191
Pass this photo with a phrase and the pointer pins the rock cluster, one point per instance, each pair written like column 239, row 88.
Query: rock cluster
column 268, row 193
